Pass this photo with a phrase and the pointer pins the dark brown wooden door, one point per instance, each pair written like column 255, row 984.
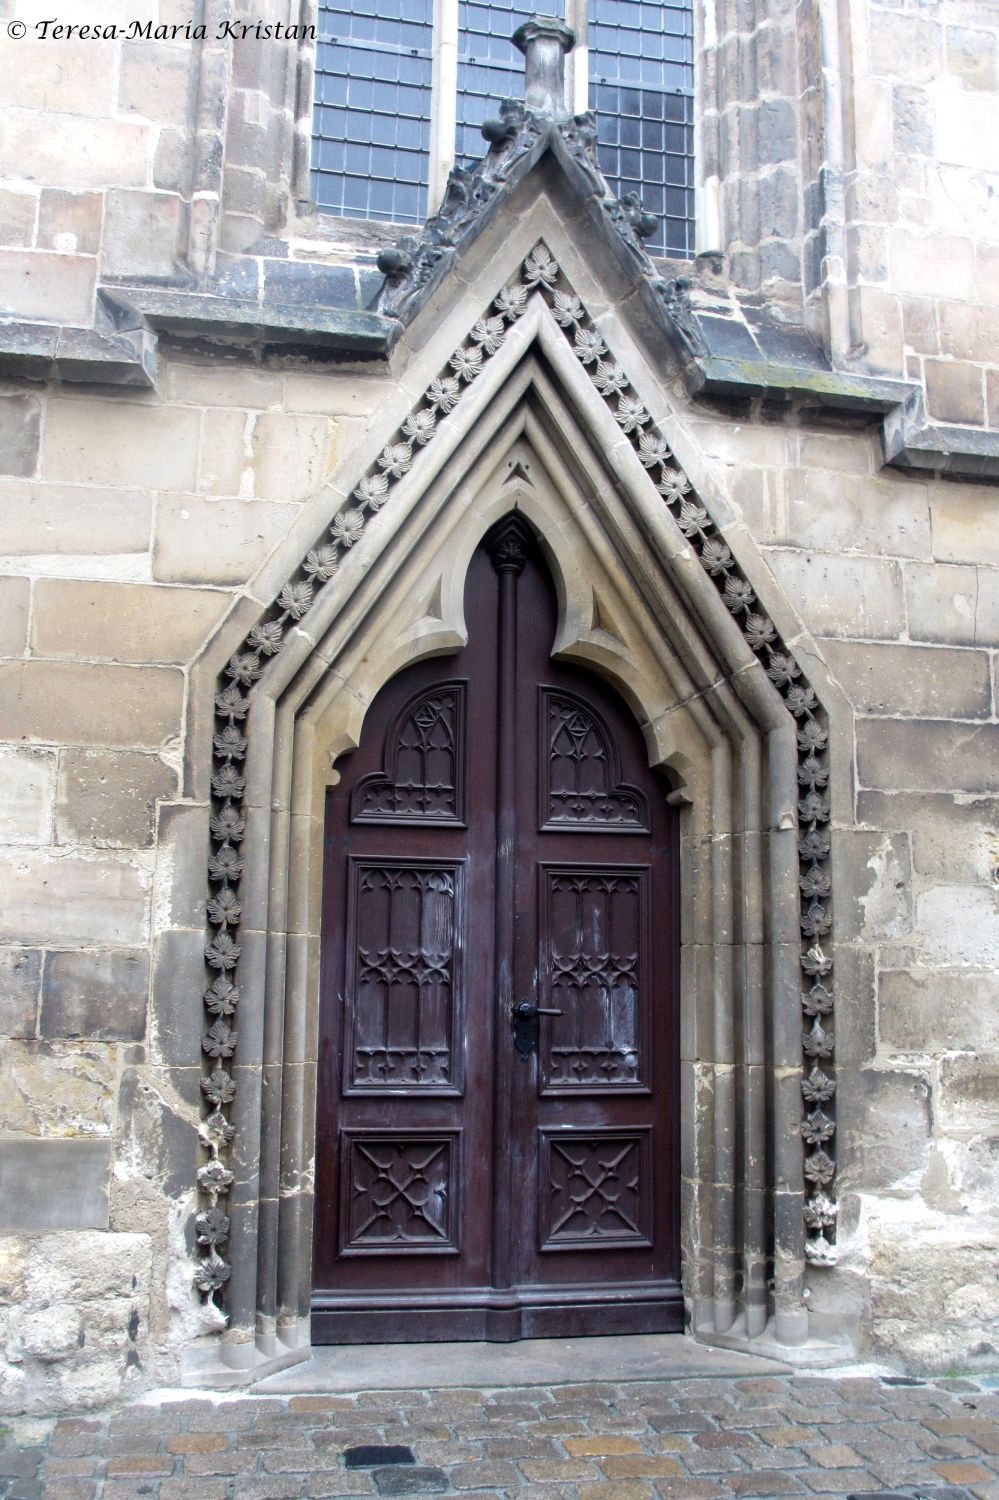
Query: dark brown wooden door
column 498, row 839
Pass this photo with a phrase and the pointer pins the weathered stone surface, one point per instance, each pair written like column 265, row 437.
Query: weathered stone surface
column 937, row 1010
column 20, row 975
column 60, row 897
column 912, row 127
column 121, row 444
column 956, row 606
column 958, row 924
column 183, row 846
column 918, row 261
column 18, row 215
column 70, row 222
column 969, row 332
column 968, row 1098
column 235, row 386
column 913, row 681
column 177, row 1010
column 269, row 455
column 73, row 519
column 13, row 616
column 100, row 154
column 77, row 703
column 78, row 1325
column 57, row 1088
column 965, row 131
column 882, row 318
column 886, row 1117
column 53, row 1184
column 834, row 511
column 966, row 523
column 928, row 753
column 27, row 792
column 46, row 287
column 859, row 598
column 108, row 797
column 873, row 882
column 856, row 1010
column 942, row 1262
column 72, row 76
column 20, row 426
column 215, row 541
column 974, row 1166
column 354, row 396
column 123, row 622
column 97, row 995
column 903, row 46
column 153, row 81
column 162, row 1134
column 955, row 391
column 140, row 233
column 971, row 56
column 952, row 836
column 292, row 455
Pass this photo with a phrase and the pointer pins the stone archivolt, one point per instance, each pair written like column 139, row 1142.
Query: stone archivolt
column 540, row 274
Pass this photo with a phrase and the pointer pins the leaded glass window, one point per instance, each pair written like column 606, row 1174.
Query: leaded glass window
column 371, row 132
column 489, row 67
column 642, row 88
column 373, row 128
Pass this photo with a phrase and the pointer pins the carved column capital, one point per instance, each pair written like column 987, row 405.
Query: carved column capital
column 507, row 547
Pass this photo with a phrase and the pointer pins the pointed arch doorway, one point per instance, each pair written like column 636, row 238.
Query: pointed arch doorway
column 497, row 1144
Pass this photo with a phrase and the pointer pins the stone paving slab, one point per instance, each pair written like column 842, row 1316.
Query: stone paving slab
column 683, row 1439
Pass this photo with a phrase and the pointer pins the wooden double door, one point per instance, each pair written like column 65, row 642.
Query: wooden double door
column 497, row 1132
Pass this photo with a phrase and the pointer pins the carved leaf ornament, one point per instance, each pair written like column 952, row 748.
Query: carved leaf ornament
column 540, row 274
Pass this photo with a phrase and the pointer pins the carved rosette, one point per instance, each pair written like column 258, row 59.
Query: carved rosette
column 540, row 271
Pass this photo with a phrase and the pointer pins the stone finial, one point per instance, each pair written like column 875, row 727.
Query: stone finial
column 544, row 41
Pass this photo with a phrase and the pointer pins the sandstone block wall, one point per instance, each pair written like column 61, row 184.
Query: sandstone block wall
column 852, row 152
column 95, row 156
column 898, row 579
column 127, row 527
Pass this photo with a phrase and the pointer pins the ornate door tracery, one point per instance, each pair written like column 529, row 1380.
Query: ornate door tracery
column 497, row 845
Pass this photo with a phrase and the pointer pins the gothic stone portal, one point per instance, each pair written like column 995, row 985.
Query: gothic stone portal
column 498, row 841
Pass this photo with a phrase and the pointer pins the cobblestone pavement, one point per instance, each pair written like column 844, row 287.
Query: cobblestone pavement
column 695, row 1439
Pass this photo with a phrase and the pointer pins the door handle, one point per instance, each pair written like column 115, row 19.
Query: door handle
column 525, row 1029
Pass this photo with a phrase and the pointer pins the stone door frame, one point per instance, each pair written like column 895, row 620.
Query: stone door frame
column 636, row 605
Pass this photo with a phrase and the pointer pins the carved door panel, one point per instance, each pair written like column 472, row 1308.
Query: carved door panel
column 497, row 1112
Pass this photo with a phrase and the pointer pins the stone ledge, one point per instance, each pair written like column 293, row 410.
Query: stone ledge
column 317, row 332
column 867, row 395
column 102, row 355
column 923, row 447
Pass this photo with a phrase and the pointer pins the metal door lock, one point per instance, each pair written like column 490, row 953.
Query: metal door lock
column 525, row 1025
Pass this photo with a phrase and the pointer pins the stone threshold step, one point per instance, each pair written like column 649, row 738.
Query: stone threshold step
column 388, row 1367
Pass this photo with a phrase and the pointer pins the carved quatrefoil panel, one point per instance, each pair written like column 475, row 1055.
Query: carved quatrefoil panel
column 596, row 1189
column 399, row 1192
